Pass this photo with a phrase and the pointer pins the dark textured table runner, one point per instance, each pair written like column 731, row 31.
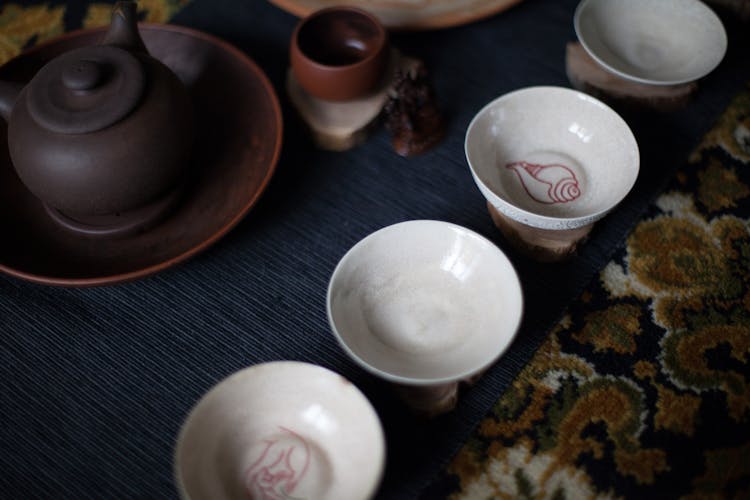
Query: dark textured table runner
column 96, row 382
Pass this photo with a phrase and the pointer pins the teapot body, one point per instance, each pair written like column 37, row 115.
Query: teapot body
column 117, row 168
column 102, row 134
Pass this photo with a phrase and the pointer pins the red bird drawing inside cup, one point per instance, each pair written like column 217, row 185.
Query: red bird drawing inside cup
column 552, row 183
column 281, row 466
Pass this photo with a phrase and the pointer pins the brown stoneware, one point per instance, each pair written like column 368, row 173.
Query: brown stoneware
column 418, row 14
column 102, row 132
column 339, row 53
column 238, row 122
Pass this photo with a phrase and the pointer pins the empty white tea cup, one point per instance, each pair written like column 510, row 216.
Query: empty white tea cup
column 656, row 42
column 425, row 304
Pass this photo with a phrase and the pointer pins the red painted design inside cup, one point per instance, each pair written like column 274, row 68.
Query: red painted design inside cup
column 281, row 466
column 553, row 183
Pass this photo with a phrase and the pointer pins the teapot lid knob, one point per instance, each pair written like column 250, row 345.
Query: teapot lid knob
column 82, row 75
column 86, row 89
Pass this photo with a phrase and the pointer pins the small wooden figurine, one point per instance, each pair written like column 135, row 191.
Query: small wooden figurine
column 412, row 114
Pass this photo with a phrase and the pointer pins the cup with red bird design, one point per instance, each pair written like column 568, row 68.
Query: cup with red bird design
column 550, row 161
column 279, row 431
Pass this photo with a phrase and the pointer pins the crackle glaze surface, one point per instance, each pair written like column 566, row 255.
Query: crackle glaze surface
column 281, row 430
column 551, row 157
column 664, row 42
column 424, row 302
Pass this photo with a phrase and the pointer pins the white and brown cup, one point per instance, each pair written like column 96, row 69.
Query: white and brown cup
column 550, row 161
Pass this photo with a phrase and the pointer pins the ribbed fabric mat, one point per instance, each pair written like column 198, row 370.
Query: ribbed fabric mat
column 96, row 382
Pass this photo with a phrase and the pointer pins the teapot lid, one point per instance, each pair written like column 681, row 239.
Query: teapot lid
column 86, row 89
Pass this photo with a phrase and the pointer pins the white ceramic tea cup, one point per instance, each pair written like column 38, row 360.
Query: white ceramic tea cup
column 550, row 161
column 656, row 42
column 424, row 304
column 551, row 157
column 280, row 430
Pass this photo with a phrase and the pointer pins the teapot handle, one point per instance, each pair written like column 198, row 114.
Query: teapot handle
column 123, row 29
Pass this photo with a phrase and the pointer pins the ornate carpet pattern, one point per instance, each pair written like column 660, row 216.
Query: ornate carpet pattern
column 22, row 26
column 643, row 387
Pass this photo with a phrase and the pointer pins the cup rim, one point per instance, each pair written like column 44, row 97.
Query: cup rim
column 382, row 38
column 528, row 217
column 417, row 381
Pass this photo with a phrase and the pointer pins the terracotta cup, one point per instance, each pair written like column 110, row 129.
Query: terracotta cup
column 339, row 53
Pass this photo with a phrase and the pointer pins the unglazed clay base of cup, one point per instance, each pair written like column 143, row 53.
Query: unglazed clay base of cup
column 544, row 245
column 588, row 76
column 551, row 158
column 339, row 126
column 664, row 42
column 281, row 430
column 430, row 401
column 424, row 303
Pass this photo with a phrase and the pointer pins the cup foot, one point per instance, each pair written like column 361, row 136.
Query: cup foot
column 588, row 76
column 434, row 400
column 544, row 245
column 119, row 224
column 429, row 401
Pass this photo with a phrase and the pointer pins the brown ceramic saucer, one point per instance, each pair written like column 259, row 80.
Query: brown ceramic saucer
column 408, row 14
column 239, row 127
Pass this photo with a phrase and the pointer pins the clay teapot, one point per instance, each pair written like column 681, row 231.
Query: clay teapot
column 101, row 134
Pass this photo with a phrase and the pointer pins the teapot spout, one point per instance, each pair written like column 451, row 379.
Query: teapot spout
column 8, row 94
column 123, row 29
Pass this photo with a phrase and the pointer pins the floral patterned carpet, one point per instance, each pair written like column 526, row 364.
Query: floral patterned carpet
column 22, row 26
column 642, row 390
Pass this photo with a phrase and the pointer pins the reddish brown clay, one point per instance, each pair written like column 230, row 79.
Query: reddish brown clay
column 103, row 130
column 339, row 53
column 544, row 245
column 238, row 120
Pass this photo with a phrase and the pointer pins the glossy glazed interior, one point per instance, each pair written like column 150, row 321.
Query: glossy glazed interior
column 526, row 147
column 663, row 42
column 281, row 430
column 424, row 302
